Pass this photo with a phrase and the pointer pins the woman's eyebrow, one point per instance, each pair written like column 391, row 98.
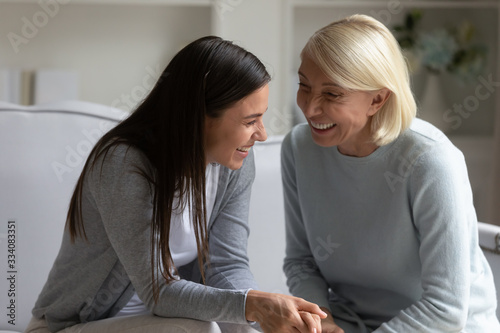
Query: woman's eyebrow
column 331, row 84
column 327, row 84
column 254, row 115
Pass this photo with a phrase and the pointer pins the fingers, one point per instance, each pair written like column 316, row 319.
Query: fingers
column 312, row 321
column 306, row 306
column 329, row 326
column 283, row 313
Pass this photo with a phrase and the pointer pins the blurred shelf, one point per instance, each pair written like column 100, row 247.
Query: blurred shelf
column 396, row 5
column 121, row 2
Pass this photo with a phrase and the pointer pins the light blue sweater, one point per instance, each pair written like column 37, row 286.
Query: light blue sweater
column 393, row 235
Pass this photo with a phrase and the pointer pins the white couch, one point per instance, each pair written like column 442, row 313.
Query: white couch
column 266, row 244
column 489, row 239
column 42, row 150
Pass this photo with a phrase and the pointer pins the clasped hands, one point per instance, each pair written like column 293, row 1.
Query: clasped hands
column 287, row 314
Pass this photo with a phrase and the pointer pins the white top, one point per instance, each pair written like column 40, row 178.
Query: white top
column 182, row 240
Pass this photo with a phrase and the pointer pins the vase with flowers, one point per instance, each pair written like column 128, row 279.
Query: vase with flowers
column 450, row 50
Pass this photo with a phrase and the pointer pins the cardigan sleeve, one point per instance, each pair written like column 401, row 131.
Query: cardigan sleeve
column 303, row 276
column 229, row 266
column 444, row 216
column 124, row 199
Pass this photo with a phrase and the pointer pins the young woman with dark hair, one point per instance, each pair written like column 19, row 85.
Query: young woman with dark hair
column 157, row 225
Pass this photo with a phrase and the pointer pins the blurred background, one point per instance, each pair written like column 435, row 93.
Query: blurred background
column 112, row 51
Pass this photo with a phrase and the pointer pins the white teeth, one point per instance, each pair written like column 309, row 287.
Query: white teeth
column 245, row 149
column 322, row 126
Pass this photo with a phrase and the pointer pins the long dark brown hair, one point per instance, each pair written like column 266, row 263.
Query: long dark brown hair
column 204, row 79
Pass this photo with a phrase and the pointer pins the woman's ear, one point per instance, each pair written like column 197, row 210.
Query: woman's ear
column 379, row 98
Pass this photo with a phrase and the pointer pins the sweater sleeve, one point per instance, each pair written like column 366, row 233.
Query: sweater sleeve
column 303, row 276
column 228, row 261
column 443, row 215
column 124, row 199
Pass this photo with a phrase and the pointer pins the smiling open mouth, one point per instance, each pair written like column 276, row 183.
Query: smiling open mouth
column 322, row 126
column 243, row 149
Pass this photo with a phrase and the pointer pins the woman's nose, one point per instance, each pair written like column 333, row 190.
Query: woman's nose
column 309, row 104
column 312, row 106
column 260, row 134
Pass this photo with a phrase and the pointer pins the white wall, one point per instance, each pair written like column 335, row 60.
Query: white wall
column 118, row 51
column 256, row 26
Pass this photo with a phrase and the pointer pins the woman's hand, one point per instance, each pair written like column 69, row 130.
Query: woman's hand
column 313, row 321
column 328, row 325
column 283, row 313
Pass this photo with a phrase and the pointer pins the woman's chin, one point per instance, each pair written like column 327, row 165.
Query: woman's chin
column 233, row 164
column 324, row 141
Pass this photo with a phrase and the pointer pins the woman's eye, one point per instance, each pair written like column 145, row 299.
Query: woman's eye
column 252, row 123
column 333, row 95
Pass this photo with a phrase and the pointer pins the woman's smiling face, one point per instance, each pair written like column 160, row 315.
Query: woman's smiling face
column 336, row 116
column 229, row 138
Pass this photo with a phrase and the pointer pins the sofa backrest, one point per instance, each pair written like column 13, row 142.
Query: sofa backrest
column 266, row 245
column 489, row 240
column 42, row 152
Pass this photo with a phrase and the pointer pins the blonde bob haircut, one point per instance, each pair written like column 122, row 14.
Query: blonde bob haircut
column 360, row 53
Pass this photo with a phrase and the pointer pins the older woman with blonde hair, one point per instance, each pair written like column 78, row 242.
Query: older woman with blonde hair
column 381, row 228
